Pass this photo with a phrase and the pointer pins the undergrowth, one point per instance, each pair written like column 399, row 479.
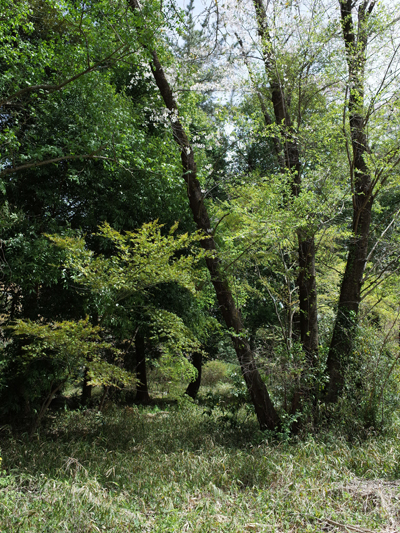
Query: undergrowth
column 148, row 470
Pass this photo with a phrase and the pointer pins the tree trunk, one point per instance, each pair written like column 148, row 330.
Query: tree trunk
column 193, row 387
column 265, row 411
column 86, row 389
column 308, row 297
column 290, row 160
column 142, row 392
column 44, row 407
column 350, row 290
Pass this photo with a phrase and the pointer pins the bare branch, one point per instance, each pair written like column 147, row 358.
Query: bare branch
column 382, row 235
column 373, row 99
column 379, row 279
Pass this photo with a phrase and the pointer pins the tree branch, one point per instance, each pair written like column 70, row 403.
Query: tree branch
column 36, row 164
column 50, row 88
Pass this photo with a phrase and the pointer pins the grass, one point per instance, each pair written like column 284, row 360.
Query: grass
column 146, row 470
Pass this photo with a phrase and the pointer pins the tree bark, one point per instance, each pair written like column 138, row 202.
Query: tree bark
column 290, row 160
column 44, row 407
column 308, row 296
column 86, row 389
column 142, row 391
column 265, row 411
column 350, row 290
column 193, row 387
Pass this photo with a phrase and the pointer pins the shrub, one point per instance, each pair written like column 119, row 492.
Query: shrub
column 370, row 395
column 214, row 372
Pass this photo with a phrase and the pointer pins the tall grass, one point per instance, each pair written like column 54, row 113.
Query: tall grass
column 142, row 470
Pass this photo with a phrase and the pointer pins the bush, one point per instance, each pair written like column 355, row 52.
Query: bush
column 215, row 371
column 371, row 393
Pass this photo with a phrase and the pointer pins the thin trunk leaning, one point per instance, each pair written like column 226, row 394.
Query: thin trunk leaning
column 266, row 414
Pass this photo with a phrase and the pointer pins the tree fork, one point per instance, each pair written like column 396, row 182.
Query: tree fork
column 266, row 414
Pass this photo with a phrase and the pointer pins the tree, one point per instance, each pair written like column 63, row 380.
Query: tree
column 143, row 260
column 68, row 346
column 108, row 114
column 293, row 93
column 75, row 151
column 370, row 168
column 302, row 83
column 266, row 414
column 288, row 153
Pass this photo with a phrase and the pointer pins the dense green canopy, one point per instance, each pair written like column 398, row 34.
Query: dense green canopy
column 182, row 183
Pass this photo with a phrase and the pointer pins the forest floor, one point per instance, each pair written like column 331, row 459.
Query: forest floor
column 179, row 470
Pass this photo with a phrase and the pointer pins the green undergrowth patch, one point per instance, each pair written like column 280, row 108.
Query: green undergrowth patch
column 177, row 470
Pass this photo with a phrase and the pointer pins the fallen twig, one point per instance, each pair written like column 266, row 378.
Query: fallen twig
column 346, row 527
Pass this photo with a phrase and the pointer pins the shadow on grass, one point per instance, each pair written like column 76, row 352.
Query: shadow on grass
column 155, row 431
